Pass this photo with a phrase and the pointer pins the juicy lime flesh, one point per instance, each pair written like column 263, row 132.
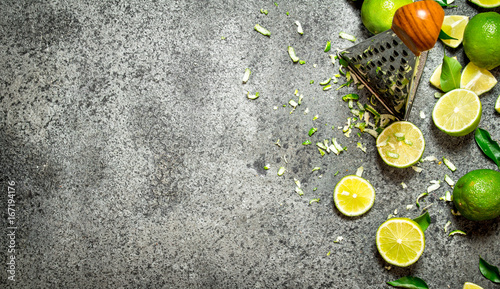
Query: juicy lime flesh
column 436, row 77
column 377, row 15
column 469, row 285
column 476, row 195
column 454, row 26
column 482, row 40
column 458, row 112
column 353, row 196
column 400, row 241
column 486, row 3
column 476, row 79
column 401, row 144
column 497, row 105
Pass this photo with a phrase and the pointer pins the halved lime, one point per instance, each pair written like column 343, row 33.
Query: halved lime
column 458, row 112
column 401, row 144
column 497, row 105
column 400, row 241
column 486, row 3
column 454, row 26
column 469, row 285
column 477, row 79
column 353, row 195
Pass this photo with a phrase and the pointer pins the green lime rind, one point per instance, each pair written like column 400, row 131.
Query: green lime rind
column 481, row 3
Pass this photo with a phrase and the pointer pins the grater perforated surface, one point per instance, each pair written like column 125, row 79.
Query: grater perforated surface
column 388, row 69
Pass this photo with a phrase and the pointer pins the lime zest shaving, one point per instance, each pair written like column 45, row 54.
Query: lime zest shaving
column 299, row 28
column 446, row 226
column 307, row 142
column 435, row 185
column 347, row 36
column 419, row 197
column 291, row 53
column 322, row 152
column 297, row 182
column 292, row 103
column 299, row 191
column 246, row 76
column 430, row 159
column 326, row 81
column 328, row 254
column 447, row 197
column 457, row 213
column 328, row 87
column 449, row 181
column 359, row 171
column 361, row 147
column 449, row 164
column 281, row 171
column 266, row 167
column 328, row 46
column 262, row 30
column 339, row 239
column 457, row 232
column 422, row 114
column 255, row 96
column 314, row 201
column 316, row 169
column 312, row 131
column 409, row 207
column 417, row 169
column 404, row 185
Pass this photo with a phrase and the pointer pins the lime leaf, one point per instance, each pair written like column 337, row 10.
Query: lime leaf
column 450, row 74
column 444, row 36
column 444, row 3
column 409, row 282
column 487, row 145
column 489, row 271
column 424, row 221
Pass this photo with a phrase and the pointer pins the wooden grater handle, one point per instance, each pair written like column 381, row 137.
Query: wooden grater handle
column 418, row 25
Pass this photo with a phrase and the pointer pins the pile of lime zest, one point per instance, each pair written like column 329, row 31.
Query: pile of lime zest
column 457, row 232
column 314, row 201
column 419, row 197
column 262, row 30
column 359, row 171
column 312, row 131
column 255, row 96
column 246, row 76
column 449, row 164
column 449, row 181
column 299, row 28
column 281, row 171
column 435, row 185
column 291, row 53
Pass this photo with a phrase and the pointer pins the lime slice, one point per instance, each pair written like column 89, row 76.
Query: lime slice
column 401, row 144
column 458, row 112
column 477, row 79
column 436, row 76
column 400, row 241
column 469, row 285
column 497, row 105
column 454, row 26
column 353, row 195
column 486, row 3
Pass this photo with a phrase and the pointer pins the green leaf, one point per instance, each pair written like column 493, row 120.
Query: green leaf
column 444, row 36
column 450, row 74
column 409, row 282
column 487, row 145
column 489, row 271
column 424, row 221
column 444, row 3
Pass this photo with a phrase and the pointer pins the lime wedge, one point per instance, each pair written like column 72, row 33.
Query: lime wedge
column 477, row 79
column 469, row 285
column 353, row 195
column 486, row 3
column 458, row 112
column 436, row 76
column 401, row 144
column 400, row 241
column 454, row 26
column 497, row 105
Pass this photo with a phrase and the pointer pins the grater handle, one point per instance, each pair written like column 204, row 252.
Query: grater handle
column 418, row 25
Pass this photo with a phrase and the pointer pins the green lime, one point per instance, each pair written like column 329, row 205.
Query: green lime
column 400, row 241
column 458, row 112
column 476, row 195
column 486, row 3
column 482, row 40
column 377, row 14
column 353, row 195
column 401, row 144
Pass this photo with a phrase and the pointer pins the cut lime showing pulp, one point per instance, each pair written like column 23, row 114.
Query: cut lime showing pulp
column 458, row 112
column 476, row 79
column 400, row 241
column 469, row 285
column 486, row 3
column 353, row 195
column 401, row 144
column 454, row 26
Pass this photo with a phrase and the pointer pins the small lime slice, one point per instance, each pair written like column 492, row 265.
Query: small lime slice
column 469, row 285
column 458, row 112
column 400, row 241
column 486, row 3
column 497, row 105
column 476, row 79
column 454, row 26
column 401, row 144
column 353, row 195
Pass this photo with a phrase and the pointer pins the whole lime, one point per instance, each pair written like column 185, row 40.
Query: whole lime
column 377, row 14
column 477, row 195
column 482, row 40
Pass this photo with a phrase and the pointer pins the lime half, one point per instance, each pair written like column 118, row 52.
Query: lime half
column 486, row 3
column 458, row 112
column 401, row 144
column 353, row 195
column 477, row 79
column 400, row 241
column 454, row 26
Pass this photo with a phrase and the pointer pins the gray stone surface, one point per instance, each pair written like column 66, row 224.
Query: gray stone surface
column 138, row 160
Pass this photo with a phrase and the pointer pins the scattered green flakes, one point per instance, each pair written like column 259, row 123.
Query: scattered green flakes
column 311, row 82
column 328, row 46
column 255, row 96
column 347, row 36
column 322, row 152
column 316, row 169
column 291, row 53
column 307, row 142
column 325, row 82
column 315, row 117
column 312, row 131
column 246, row 76
column 281, row 171
column 328, row 87
column 350, row 96
column 314, row 201
column 266, row 167
column 264, row 11
column 336, row 173
column 302, row 62
column 262, row 30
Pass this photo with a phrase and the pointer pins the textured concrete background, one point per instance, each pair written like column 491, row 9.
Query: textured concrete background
column 138, row 160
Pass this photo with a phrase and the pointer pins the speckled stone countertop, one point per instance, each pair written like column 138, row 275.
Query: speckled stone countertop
column 137, row 159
